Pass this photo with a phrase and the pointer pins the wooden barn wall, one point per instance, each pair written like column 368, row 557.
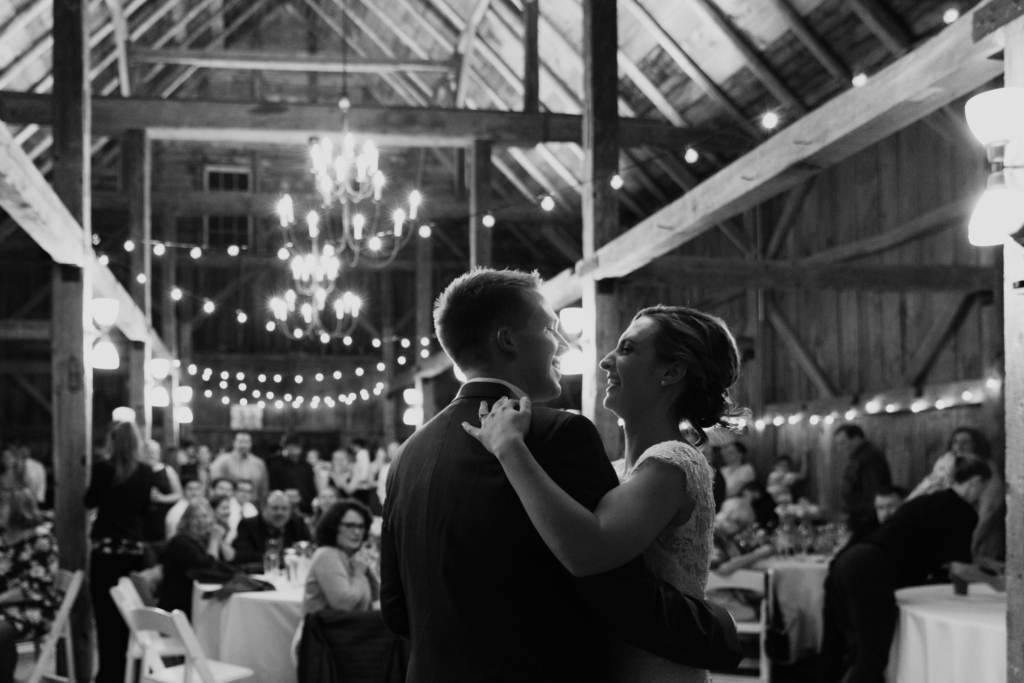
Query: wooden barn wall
column 863, row 341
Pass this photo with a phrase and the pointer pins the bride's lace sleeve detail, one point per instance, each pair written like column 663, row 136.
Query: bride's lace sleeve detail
column 681, row 552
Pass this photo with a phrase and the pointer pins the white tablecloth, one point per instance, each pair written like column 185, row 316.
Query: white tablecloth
column 251, row 629
column 947, row 638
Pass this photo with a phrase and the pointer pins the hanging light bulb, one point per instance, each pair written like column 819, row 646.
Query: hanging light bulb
column 234, row 250
column 424, row 231
column 208, row 306
column 374, row 243
column 691, row 156
column 158, row 397
column 488, row 221
column 159, row 249
column 104, row 311
column 195, row 252
column 103, row 259
column 129, row 245
column 547, row 203
column 176, row 294
column 770, row 120
column 617, row 182
column 1000, row 211
column 104, row 355
column 241, row 317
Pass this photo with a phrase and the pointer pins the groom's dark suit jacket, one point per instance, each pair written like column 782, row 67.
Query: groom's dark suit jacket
column 467, row 578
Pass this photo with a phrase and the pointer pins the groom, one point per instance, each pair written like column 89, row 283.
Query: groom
column 464, row 574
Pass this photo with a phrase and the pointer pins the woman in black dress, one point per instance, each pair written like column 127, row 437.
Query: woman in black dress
column 166, row 492
column 120, row 491
column 28, row 565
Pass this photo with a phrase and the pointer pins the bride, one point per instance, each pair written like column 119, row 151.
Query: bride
column 672, row 364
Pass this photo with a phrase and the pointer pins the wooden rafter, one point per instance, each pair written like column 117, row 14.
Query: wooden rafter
column 120, row 26
column 942, row 329
column 689, row 67
column 794, row 202
column 799, row 352
column 754, row 61
column 881, row 22
column 777, row 275
column 269, row 61
column 936, row 73
column 33, row 392
column 928, row 223
column 811, row 41
column 465, row 50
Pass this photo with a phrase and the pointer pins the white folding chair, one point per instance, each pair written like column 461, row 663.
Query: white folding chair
column 69, row 584
column 758, row 583
column 175, row 625
column 127, row 599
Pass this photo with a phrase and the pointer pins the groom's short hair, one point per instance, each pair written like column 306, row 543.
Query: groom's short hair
column 477, row 302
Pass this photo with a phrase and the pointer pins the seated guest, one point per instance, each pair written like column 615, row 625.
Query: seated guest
column 18, row 470
column 276, row 521
column 888, row 500
column 920, row 537
column 28, row 565
column 244, row 491
column 225, row 489
column 782, row 479
column 221, row 506
column 990, row 535
column 735, row 471
column 198, row 544
column 291, row 471
column 337, row 578
column 192, row 489
column 752, row 506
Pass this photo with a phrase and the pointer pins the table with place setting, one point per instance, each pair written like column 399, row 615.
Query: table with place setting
column 942, row 637
column 252, row 629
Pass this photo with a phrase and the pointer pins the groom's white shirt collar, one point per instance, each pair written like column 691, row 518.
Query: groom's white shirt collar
column 515, row 390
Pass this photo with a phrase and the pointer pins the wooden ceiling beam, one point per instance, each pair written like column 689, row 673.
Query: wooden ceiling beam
column 465, row 50
column 753, row 61
column 799, row 351
column 120, row 27
column 31, row 201
column 794, row 202
column 281, row 123
column 25, row 330
column 883, row 24
column 248, row 60
column 690, row 67
column 946, row 67
column 795, row 276
column 942, row 329
column 811, row 41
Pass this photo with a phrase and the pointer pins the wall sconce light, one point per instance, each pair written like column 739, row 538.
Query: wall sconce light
column 996, row 118
column 104, row 355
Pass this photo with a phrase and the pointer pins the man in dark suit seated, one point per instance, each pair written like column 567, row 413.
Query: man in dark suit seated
column 464, row 573
column 274, row 521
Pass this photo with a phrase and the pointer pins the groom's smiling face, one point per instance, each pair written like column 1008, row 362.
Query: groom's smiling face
column 539, row 343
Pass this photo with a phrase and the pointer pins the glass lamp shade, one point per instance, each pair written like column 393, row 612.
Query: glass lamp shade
column 104, row 311
column 159, row 368
column 182, row 394
column 413, row 417
column 123, row 414
column 572, row 320
column 572, row 362
column 999, row 213
column 183, row 414
column 158, row 397
column 104, row 356
column 413, row 397
column 996, row 116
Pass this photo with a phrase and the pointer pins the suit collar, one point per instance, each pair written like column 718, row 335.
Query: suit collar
column 483, row 389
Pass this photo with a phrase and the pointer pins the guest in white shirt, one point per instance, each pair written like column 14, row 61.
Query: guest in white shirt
column 192, row 490
column 244, row 492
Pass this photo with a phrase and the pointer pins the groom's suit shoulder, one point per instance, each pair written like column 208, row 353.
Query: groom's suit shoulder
column 569, row 447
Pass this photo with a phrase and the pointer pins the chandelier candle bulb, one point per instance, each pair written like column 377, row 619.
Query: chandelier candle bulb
column 285, row 211
column 358, row 221
column 415, row 198
column 313, row 223
column 399, row 218
column 378, row 185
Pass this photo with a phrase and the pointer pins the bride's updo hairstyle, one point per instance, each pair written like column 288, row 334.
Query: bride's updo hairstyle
column 706, row 349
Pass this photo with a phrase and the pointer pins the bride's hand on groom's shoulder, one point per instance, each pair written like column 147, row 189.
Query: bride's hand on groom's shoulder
column 503, row 428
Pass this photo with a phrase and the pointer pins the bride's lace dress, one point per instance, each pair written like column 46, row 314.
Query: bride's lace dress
column 679, row 555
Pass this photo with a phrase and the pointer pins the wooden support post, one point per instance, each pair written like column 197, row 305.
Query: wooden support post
column 424, row 318
column 169, row 323
column 72, row 292
column 1013, row 316
column 531, row 60
column 479, row 160
column 136, row 176
column 387, row 325
column 600, row 206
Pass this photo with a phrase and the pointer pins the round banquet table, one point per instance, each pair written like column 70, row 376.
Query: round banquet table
column 251, row 629
column 799, row 585
column 948, row 638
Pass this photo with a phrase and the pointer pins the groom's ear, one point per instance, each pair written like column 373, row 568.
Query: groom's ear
column 505, row 340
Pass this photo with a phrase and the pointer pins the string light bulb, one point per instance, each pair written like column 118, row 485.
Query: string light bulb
column 547, row 203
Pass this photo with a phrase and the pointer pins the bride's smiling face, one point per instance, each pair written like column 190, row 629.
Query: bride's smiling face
column 635, row 370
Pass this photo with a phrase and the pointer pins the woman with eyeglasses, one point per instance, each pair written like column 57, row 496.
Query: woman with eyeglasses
column 338, row 578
